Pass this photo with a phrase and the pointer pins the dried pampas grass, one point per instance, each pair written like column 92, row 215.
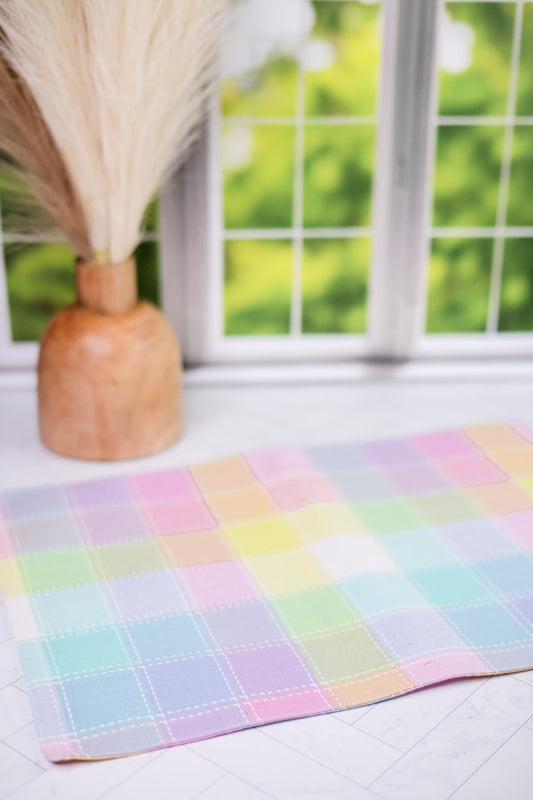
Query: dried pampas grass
column 121, row 86
column 29, row 157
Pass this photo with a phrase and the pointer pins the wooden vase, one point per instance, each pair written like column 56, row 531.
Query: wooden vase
column 109, row 372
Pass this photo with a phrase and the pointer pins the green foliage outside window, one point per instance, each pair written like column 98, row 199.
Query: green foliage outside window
column 337, row 159
column 41, row 280
column 467, row 175
column 459, row 281
column 248, row 263
column 339, row 306
column 478, row 85
column 259, row 176
column 349, row 84
column 516, row 307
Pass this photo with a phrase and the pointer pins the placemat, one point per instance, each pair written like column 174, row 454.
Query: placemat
column 158, row 609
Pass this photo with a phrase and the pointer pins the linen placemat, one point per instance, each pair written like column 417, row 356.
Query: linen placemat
column 158, row 609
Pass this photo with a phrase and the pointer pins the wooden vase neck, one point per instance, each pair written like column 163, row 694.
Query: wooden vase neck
column 107, row 288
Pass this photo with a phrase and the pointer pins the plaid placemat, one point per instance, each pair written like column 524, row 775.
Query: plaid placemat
column 163, row 608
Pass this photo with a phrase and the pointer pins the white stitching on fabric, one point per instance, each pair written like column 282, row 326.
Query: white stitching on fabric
column 54, row 686
column 114, row 668
column 212, row 650
column 184, row 611
column 119, row 727
column 96, row 569
column 216, row 652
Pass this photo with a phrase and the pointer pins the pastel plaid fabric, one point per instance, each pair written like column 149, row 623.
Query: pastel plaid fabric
column 163, row 608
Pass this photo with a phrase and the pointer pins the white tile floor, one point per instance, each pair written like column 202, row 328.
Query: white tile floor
column 466, row 740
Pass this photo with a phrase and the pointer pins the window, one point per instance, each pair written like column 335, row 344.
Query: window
column 480, row 279
column 291, row 134
column 361, row 189
column 297, row 150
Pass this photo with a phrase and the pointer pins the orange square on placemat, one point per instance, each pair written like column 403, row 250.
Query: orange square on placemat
column 373, row 687
column 223, row 475
column 197, row 547
column 252, row 502
column 495, row 437
column 516, row 462
column 500, row 498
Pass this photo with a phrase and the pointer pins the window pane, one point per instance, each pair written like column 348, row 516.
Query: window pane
column 516, row 304
column 262, row 92
column 147, row 258
column 258, row 175
column 335, row 274
column 258, row 64
column 459, row 278
column 524, row 105
column 40, row 281
column 467, row 175
column 339, row 164
column 342, row 59
column 520, row 208
column 257, row 287
column 475, row 57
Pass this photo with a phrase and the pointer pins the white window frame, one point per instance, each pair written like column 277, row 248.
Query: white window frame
column 191, row 272
column 13, row 355
column 401, row 175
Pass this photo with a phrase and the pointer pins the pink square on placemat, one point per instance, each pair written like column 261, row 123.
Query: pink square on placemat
column 174, row 483
column 57, row 751
column 217, row 584
column 277, row 462
column 173, row 516
column 6, row 548
column 292, row 704
column 443, row 666
column 471, row 471
column 444, row 444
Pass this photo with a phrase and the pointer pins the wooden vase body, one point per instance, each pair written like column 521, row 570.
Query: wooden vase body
column 109, row 381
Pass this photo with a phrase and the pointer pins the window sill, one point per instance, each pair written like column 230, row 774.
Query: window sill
column 324, row 373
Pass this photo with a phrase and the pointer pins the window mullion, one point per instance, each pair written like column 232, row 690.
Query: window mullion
column 505, row 176
column 403, row 176
column 189, row 249
column 5, row 337
column 298, row 186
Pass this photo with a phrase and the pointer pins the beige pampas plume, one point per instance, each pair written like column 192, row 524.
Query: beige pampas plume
column 29, row 156
column 121, row 86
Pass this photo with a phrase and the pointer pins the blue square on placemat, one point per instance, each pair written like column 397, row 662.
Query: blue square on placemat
column 489, row 625
column 106, row 699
